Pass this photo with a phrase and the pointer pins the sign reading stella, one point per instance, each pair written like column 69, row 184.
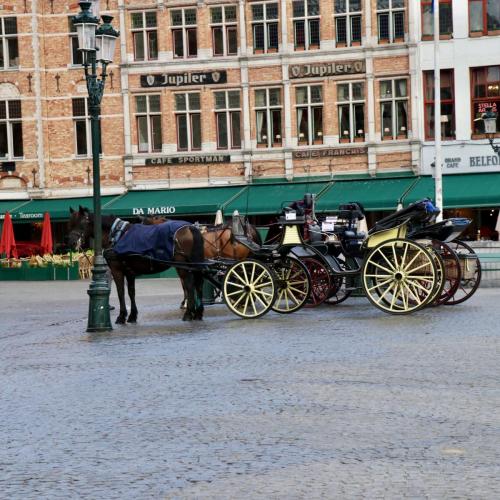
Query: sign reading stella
column 327, row 69
column 181, row 79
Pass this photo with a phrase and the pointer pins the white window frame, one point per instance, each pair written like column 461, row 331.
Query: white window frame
column 348, row 15
column 309, row 106
column 228, row 111
column 73, row 36
column 393, row 100
column 86, row 119
column 149, row 115
column 352, row 102
column 266, row 23
column 225, row 26
column 392, row 11
column 306, row 18
column 4, row 46
column 188, row 112
column 10, row 134
column 145, row 38
column 268, row 108
column 184, row 27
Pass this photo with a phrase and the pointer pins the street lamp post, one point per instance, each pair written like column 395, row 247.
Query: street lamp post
column 97, row 44
column 490, row 128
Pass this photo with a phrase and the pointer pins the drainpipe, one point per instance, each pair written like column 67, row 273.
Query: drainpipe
column 35, row 43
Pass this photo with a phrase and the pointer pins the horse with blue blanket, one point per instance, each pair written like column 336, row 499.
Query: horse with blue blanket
column 132, row 250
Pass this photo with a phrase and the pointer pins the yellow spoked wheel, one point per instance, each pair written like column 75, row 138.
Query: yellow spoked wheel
column 400, row 276
column 293, row 286
column 249, row 289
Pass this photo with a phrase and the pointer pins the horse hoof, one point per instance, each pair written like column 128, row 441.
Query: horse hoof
column 132, row 319
column 120, row 320
column 187, row 317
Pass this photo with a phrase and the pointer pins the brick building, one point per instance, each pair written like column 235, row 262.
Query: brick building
column 208, row 92
column 212, row 93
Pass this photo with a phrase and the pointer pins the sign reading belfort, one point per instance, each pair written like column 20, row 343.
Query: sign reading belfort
column 327, row 69
column 181, row 79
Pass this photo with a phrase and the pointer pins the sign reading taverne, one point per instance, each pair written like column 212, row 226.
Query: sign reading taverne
column 181, row 79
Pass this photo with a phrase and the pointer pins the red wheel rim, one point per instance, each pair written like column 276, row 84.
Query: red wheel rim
column 320, row 282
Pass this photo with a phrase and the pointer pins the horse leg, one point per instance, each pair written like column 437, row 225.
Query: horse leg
column 132, row 318
column 198, row 287
column 184, row 300
column 188, row 285
column 119, row 278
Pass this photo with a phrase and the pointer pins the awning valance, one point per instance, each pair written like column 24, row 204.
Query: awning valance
column 373, row 194
column 10, row 206
column 460, row 190
column 172, row 202
column 263, row 199
column 58, row 208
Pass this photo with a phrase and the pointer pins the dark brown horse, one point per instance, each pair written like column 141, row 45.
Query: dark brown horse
column 188, row 254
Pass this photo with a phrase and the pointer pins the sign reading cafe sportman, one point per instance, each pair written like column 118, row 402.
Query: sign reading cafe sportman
column 182, row 79
column 327, row 69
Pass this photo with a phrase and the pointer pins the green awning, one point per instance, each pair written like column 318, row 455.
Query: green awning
column 58, row 208
column 271, row 198
column 168, row 202
column 10, row 206
column 460, row 190
column 373, row 194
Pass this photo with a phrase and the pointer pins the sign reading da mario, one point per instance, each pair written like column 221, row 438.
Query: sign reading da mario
column 181, row 79
column 327, row 69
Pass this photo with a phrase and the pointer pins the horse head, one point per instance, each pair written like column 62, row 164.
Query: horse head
column 81, row 227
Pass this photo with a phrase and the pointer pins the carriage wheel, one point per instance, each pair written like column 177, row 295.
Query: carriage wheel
column 470, row 276
column 249, row 288
column 293, row 284
column 340, row 290
column 399, row 276
column 320, row 281
column 440, row 276
column 452, row 271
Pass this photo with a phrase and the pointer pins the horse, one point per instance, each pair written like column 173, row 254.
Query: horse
column 220, row 240
column 187, row 249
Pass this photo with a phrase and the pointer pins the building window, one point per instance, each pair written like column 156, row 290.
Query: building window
column 391, row 20
column 351, row 111
column 484, row 17
column 9, row 49
column 224, row 30
column 268, row 117
column 184, row 36
column 188, row 120
column 145, row 36
column 265, row 27
column 11, row 130
column 347, row 22
column 81, row 127
column 485, row 94
column 445, row 19
column 306, row 24
column 447, row 104
column 76, row 55
column 228, row 119
column 309, row 114
column 148, row 119
column 394, row 108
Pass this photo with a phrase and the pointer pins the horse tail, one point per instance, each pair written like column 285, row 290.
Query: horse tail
column 197, row 252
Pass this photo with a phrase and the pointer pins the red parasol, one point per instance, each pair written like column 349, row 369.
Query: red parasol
column 8, row 242
column 46, row 243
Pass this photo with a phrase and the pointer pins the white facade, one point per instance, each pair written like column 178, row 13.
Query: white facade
column 460, row 53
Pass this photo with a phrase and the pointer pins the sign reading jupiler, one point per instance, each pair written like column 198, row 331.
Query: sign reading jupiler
column 181, row 79
column 326, row 69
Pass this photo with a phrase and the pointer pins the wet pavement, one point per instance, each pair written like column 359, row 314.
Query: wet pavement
column 337, row 402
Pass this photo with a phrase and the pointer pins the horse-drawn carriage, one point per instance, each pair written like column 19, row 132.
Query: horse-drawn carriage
column 404, row 263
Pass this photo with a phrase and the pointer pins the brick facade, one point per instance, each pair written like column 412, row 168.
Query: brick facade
column 46, row 82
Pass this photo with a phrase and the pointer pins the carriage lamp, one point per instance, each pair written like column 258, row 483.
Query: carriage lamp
column 490, row 127
column 97, row 45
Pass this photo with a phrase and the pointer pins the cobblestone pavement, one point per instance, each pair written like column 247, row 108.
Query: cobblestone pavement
column 337, row 403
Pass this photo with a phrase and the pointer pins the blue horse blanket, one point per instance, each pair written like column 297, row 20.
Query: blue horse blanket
column 155, row 241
